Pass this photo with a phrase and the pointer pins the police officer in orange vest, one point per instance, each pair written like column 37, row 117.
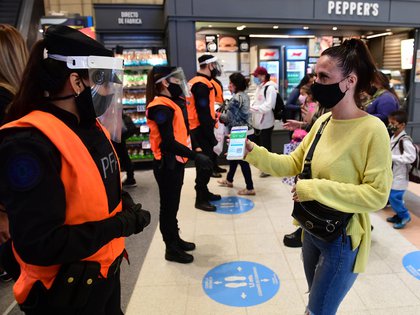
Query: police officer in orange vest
column 219, row 101
column 202, row 119
column 171, row 145
column 60, row 178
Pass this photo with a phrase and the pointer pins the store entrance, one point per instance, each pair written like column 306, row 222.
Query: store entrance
column 289, row 51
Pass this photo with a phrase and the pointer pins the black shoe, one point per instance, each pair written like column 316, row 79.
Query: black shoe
column 218, row 169
column 129, row 182
column 213, row 197
column 294, row 239
column 215, row 174
column 205, row 206
column 394, row 219
column 175, row 253
column 186, row 246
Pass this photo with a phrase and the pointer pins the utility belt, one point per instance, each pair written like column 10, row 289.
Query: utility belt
column 72, row 286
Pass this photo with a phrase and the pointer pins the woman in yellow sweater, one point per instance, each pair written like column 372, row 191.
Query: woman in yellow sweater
column 351, row 172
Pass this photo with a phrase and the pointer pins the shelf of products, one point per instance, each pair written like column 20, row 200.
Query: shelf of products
column 137, row 63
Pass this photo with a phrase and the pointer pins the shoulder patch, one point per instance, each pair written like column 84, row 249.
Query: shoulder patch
column 24, row 172
column 161, row 117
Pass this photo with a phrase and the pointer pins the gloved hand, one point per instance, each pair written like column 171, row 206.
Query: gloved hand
column 133, row 219
column 203, row 161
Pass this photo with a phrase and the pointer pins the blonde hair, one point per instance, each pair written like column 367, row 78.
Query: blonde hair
column 13, row 57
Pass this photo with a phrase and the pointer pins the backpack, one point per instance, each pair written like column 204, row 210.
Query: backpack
column 279, row 107
column 414, row 172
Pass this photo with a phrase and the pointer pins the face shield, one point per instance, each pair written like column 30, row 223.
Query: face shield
column 216, row 70
column 177, row 77
column 105, row 79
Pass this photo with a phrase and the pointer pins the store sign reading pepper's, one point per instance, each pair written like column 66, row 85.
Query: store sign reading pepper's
column 353, row 8
column 129, row 17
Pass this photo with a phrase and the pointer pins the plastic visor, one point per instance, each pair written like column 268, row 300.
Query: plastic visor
column 178, row 77
column 107, row 92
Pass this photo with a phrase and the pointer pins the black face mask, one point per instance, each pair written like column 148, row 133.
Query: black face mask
column 102, row 103
column 373, row 90
column 328, row 95
column 214, row 73
column 175, row 90
column 84, row 106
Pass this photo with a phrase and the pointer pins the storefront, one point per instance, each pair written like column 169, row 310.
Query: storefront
column 136, row 34
column 269, row 28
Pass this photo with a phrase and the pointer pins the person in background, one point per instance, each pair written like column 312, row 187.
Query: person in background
column 262, row 109
column 331, row 268
column 128, row 129
column 202, row 119
column 171, row 146
column 384, row 100
column 60, row 181
column 293, row 104
column 238, row 115
column 13, row 58
column 309, row 106
column 219, row 101
column 403, row 154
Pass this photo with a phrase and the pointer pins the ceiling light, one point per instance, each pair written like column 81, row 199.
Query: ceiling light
column 335, row 28
column 280, row 36
column 388, row 30
column 306, row 27
column 379, row 35
column 275, row 27
column 210, row 26
column 241, row 28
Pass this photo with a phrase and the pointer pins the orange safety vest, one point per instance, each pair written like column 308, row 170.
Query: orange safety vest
column 192, row 111
column 178, row 124
column 218, row 92
column 86, row 198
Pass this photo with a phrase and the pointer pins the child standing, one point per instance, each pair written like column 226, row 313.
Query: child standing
column 403, row 154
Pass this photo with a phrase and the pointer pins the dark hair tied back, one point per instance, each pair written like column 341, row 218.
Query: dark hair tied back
column 354, row 57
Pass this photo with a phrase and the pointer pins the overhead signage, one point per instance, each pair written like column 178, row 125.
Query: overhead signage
column 353, row 8
column 233, row 205
column 129, row 17
column 241, row 284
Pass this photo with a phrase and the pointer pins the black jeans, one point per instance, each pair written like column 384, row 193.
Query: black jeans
column 105, row 299
column 203, row 176
column 246, row 170
column 263, row 137
column 125, row 161
column 170, row 183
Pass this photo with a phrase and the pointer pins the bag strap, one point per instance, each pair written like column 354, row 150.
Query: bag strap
column 308, row 159
column 265, row 91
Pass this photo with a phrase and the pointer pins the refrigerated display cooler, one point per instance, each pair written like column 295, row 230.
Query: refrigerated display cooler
column 296, row 66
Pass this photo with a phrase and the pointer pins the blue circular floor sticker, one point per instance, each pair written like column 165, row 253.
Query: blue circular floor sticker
column 241, row 284
column 233, row 205
column 411, row 263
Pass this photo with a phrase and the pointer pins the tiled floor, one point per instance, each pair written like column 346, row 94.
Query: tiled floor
column 169, row 288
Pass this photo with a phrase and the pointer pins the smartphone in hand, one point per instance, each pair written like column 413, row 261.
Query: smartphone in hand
column 236, row 149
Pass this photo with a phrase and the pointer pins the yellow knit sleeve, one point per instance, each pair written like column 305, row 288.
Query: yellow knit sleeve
column 373, row 191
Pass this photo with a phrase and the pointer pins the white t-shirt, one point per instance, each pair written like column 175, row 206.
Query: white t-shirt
column 262, row 107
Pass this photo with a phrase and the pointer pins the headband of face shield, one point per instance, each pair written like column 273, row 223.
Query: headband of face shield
column 217, row 68
column 105, row 89
column 177, row 77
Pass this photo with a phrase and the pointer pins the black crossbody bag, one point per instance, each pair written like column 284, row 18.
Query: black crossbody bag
column 315, row 218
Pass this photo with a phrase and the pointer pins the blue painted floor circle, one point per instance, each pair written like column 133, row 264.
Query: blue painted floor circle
column 233, row 205
column 411, row 263
column 241, row 283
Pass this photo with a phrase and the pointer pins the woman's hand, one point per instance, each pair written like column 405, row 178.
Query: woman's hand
column 292, row 125
column 249, row 145
column 295, row 196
